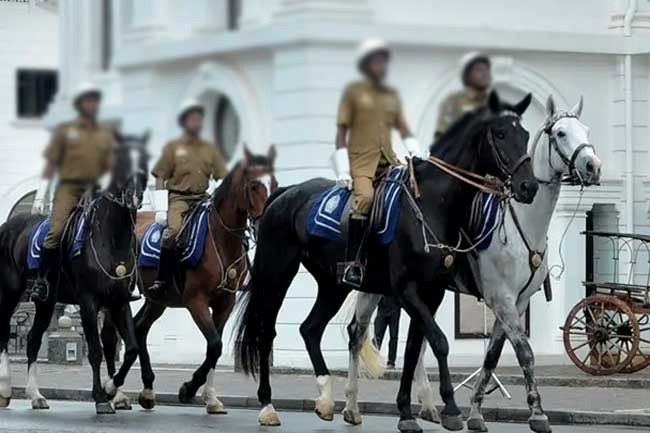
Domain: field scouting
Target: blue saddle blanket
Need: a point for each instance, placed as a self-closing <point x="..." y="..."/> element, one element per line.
<point x="38" y="236"/>
<point x="484" y="218"/>
<point x="191" y="254"/>
<point x="326" y="213"/>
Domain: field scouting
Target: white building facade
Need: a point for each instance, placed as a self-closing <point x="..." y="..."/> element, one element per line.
<point x="272" y="72"/>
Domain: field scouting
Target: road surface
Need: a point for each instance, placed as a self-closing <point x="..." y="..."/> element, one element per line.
<point x="76" y="417"/>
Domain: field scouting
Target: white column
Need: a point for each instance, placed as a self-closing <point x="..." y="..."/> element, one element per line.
<point x="147" y="19"/>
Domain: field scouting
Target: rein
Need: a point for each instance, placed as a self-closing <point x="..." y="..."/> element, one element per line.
<point x="487" y="183"/>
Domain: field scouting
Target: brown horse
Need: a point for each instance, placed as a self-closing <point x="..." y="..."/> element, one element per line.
<point x="212" y="284"/>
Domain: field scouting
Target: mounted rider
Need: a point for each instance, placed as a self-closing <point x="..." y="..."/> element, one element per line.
<point x="476" y="76"/>
<point x="80" y="153"/>
<point x="184" y="170"/>
<point x="368" y="112"/>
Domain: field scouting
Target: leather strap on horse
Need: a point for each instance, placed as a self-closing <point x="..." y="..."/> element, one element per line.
<point x="488" y="184"/>
<point x="413" y="182"/>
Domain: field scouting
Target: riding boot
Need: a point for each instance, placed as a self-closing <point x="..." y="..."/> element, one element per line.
<point x="165" y="272"/>
<point x="354" y="269"/>
<point x="41" y="287"/>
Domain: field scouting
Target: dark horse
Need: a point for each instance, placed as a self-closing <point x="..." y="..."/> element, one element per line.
<point x="212" y="284"/>
<point x="100" y="276"/>
<point x="489" y="141"/>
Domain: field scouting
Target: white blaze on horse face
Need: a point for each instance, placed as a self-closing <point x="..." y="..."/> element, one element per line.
<point x="5" y="375"/>
<point x="267" y="181"/>
<point x="569" y="133"/>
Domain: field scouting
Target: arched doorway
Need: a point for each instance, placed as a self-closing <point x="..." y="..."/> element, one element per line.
<point x="23" y="205"/>
<point x="222" y="125"/>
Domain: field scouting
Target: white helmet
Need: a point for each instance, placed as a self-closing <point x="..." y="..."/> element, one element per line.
<point x="188" y="105"/>
<point x="85" y="88"/>
<point x="470" y="59"/>
<point x="371" y="46"/>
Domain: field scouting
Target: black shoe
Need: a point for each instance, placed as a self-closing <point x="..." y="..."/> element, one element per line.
<point x="354" y="269"/>
<point x="41" y="287"/>
<point x="165" y="273"/>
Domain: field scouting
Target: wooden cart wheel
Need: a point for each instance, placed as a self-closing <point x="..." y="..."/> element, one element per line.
<point x="601" y="335"/>
<point x="642" y="358"/>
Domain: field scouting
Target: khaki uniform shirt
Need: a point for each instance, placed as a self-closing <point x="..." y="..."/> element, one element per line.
<point x="187" y="164"/>
<point x="370" y="113"/>
<point x="80" y="152"/>
<point x="455" y="106"/>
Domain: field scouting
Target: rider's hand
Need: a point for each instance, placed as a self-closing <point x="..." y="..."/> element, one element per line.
<point x="341" y="166"/>
<point x="413" y="147"/>
<point x="161" y="218"/>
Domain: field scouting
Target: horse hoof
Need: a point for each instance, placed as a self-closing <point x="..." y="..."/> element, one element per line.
<point x="216" y="408"/>
<point x="351" y="417"/>
<point x="452" y="422"/>
<point x="409" y="426"/>
<point x="324" y="409"/>
<point x="104" y="408"/>
<point x="40" y="404"/>
<point x="268" y="417"/>
<point x="185" y="394"/>
<point x="122" y="405"/>
<point x="147" y="399"/>
<point x="4" y="401"/>
<point x="539" y="424"/>
<point x="430" y="414"/>
<point x="476" y="424"/>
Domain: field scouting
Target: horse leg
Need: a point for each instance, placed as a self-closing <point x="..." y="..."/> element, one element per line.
<point x="220" y="313"/>
<point x="89" y="323"/>
<point x="407" y="422"/>
<point x="199" y="308"/>
<point x="8" y="302"/>
<point x="423" y="390"/>
<point x="422" y="310"/>
<point x="475" y="421"/>
<point x="42" y="321"/>
<point x="357" y="333"/>
<point x="509" y="317"/>
<point x="328" y="302"/>
<point x="110" y="341"/>
<point x="123" y="321"/>
<point x="144" y="319"/>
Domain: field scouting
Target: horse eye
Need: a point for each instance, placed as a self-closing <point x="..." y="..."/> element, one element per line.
<point x="500" y="135"/>
<point x="561" y="134"/>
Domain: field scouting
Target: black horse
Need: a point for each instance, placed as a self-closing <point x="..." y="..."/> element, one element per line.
<point x="491" y="140"/>
<point x="102" y="275"/>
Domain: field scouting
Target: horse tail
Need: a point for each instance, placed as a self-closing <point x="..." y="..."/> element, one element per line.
<point x="271" y="275"/>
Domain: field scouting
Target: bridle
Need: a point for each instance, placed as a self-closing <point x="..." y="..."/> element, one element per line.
<point x="573" y="177"/>
<point x="503" y="166"/>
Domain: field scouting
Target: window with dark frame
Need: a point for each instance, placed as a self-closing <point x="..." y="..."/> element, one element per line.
<point x="226" y="127"/>
<point x="473" y="319"/>
<point x="107" y="35"/>
<point x="35" y="88"/>
<point x="234" y="14"/>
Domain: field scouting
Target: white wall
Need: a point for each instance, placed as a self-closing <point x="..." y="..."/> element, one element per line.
<point x="29" y="40"/>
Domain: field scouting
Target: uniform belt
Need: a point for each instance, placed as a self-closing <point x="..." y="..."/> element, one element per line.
<point x="75" y="182"/>
<point x="187" y="193"/>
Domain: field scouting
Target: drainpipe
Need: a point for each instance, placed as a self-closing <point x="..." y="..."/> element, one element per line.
<point x="629" y="145"/>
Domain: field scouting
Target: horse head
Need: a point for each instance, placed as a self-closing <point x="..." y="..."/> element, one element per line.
<point x="571" y="156"/>
<point x="130" y="169"/>
<point x="507" y="142"/>
<point x="259" y="178"/>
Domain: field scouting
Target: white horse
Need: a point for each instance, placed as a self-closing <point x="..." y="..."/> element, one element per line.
<point x="512" y="268"/>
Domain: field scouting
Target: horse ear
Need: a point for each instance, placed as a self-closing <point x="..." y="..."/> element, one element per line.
<point x="272" y="154"/>
<point x="522" y="106"/>
<point x="494" y="102"/>
<point x="577" y="110"/>
<point x="145" y="137"/>
<point x="551" y="109"/>
<point x="248" y="156"/>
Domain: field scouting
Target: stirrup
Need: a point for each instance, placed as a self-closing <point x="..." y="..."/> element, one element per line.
<point x="40" y="291"/>
<point x="352" y="266"/>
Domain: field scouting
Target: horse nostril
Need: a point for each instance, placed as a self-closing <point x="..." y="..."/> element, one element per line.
<point x="529" y="187"/>
<point x="590" y="167"/>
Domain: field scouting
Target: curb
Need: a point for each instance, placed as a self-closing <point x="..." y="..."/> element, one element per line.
<point x="491" y="414"/>
<point x="506" y="379"/>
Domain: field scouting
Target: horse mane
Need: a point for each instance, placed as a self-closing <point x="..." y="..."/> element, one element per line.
<point x="460" y="136"/>
<point x="223" y="190"/>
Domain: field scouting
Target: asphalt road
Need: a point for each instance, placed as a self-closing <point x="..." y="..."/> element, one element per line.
<point x="75" y="417"/>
